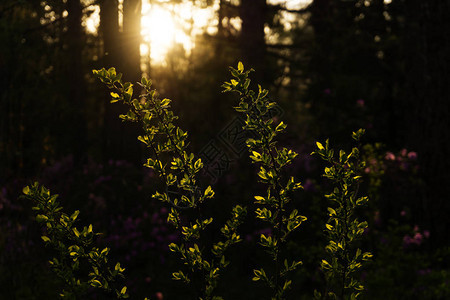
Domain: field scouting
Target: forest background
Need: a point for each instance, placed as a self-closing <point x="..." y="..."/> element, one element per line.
<point x="333" y="66"/>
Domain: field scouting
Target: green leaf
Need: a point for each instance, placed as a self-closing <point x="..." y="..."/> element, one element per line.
<point x="123" y="290"/>
<point x="26" y="190"/>
<point x="240" y="67"/>
<point x="325" y="265"/>
<point x="331" y="211"/>
<point x="367" y="256"/>
<point x="209" y="193"/>
<point x="74" y="215"/>
<point x="246" y="84"/>
<point x="76" y="232"/>
<point x="260" y="199"/>
<point x="198" y="164"/>
<point x="262" y="173"/>
<point x="112" y="71"/>
<point x="362" y="201"/>
<point x="256" y="155"/>
<point x="358" y="134"/>
<point x="143" y="139"/>
<point x="41" y="218"/>
<point x="165" y="103"/>
<point x="280" y="127"/>
<point x="96" y="283"/>
<point x="287" y="285"/>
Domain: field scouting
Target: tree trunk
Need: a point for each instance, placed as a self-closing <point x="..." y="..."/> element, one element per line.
<point x="321" y="21"/>
<point x="122" y="51"/>
<point x="76" y="83"/>
<point x="252" y="39"/>
<point x="132" y="39"/>
<point x="109" y="31"/>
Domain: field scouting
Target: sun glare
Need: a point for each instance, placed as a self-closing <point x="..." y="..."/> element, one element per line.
<point x="164" y="25"/>
<point x="160" y="31"/>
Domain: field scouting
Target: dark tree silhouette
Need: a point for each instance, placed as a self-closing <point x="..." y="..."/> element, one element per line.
<point x="252" y="39"/>
<point x="427" y="106"/>
<point x="76" y="91"/>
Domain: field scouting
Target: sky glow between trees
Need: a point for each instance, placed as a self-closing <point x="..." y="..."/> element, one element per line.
<point x="164" y="25"/>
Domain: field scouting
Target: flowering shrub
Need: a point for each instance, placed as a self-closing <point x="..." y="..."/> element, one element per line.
<point x="417" y="238"/>
<point x="406" y="265"/>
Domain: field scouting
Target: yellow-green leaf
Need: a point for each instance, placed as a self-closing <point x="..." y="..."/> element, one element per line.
<point x="123" y="290"/>
<point x="240" y="67"/>
<point x="26" y="190"/>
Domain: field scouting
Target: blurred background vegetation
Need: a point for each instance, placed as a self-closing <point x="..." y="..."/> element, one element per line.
<point x="333" y="66"/>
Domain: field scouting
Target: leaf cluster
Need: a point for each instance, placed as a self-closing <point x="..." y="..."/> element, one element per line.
<point x="343" y="228"/>
<point x="179" y="171"/>
<point x="74" y="248"/>
<point x="255" y="106"/>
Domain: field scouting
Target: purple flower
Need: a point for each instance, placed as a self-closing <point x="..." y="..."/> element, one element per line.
<point x="389" y="156"/>
<point x="418" y="238"/>
<point x="407" y="240"/>
<point x="327" y="91"/>
<point x="412" y="155"/>
<point x="360" y="102"/>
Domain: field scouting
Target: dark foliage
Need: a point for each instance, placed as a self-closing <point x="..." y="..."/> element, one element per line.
<point x="333" y="66"/>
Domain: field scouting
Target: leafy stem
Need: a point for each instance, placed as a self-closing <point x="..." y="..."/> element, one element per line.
<point x="343" y="229"/>
<point x="179" y="173"/>
<point x="73" y="246"/>
<point x="256" y="108"/>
